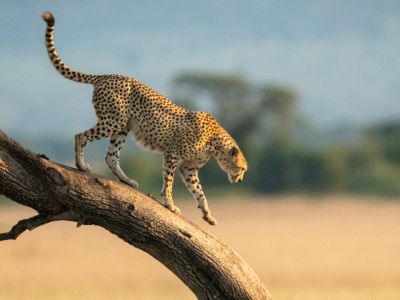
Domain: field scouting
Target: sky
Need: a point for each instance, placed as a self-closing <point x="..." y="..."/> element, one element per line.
<point x="342" y="57"/>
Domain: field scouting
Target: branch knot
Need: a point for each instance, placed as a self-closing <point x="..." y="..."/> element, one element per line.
<point x="55" y="176"/>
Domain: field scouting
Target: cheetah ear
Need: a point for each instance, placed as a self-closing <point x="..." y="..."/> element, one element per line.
<point x="234" y="151"/>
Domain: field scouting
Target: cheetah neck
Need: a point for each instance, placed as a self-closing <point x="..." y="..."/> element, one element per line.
<point x="221" y="143"/>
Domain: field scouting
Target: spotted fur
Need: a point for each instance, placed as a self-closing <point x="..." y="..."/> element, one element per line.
<point x="123" y="104"/>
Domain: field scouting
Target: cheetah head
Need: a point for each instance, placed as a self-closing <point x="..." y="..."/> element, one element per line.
<point x="234" y="164"/>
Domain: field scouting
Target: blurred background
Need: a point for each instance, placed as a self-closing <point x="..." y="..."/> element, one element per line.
<point x="309" y="89"/>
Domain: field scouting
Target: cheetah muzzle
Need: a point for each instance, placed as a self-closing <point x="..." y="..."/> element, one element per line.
<point x="123" y="105"/>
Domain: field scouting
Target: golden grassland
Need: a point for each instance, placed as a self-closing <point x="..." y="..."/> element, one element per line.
<point x="301" y="248"/>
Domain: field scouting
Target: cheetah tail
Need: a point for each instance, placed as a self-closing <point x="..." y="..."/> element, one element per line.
<point x="56" y="61"/>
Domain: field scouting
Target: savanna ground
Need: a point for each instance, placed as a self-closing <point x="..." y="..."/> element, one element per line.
<point x="301" y="248"/>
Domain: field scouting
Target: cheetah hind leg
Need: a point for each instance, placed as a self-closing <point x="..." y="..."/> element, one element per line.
<point x="117" y="141"/>
<point x="83" y="139"/>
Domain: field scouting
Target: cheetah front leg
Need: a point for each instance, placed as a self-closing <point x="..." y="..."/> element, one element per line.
<point x="80" y="144"/>
<point x="189" y="173"/>
<point x="169" y="167"/>
<point x="117" y="141"/>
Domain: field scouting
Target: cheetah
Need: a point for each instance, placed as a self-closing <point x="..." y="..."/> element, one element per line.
<point x="123" y="105"/>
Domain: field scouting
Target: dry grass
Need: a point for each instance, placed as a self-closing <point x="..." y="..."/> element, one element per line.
<point x="321" y="249"/>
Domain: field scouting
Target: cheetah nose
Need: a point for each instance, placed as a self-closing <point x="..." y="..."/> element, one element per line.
<point x="240" y="179"/>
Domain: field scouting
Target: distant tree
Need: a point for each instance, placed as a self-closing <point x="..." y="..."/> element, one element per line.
<point x="281" y="104"/>
<point x="244" y="109"/>
<point x="388" y="137"/>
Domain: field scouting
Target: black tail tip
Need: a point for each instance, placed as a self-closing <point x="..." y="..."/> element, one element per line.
<point x="48" y="18"/>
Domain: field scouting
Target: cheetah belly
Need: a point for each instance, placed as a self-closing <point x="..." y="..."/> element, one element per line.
<point x="142" y="135"/>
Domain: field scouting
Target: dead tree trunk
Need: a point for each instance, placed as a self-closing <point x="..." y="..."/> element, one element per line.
<point x="205" y="264"/>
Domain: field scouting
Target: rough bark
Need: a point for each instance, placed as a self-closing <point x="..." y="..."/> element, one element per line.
<point x="205" y="264"/>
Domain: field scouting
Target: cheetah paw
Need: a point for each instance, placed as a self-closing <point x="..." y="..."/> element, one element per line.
<point x="84" y="167"/>
<point x="175" y="210"/>
<point x="210" y="220"/>
<point x="131" y="183"/>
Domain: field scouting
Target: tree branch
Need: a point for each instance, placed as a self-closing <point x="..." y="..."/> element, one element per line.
<point x="205" y="264"/>
<point x="36" y="221"/>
